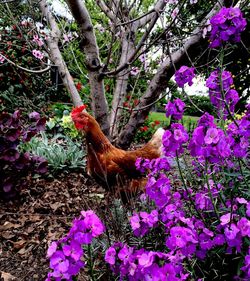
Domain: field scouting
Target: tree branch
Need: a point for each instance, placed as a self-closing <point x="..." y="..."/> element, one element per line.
<point x="102" y="5"/>
<point x="90" y="48"/>
<point x="160" y="80"/>
<point x="56" y="55"/>
<point x="26" y="69"/>
<point x="159" y="9"/>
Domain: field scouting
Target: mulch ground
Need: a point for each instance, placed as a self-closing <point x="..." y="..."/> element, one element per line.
<point x="43" y="212"/>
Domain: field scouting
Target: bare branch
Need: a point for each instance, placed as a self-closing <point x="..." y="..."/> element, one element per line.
<point x="93" y="64"/>
<point x="56" y="55"/>
<point x="26" y="69"/>
<point x="138" y="18"/>
<point x="159" y="9"/>
<point x="105" y="9"/>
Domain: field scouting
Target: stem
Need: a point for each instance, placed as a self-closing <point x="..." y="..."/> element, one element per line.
<point x="91" y="264"/>
<point x="241" y="171"/>
<point x="221" y="198"/>
<point x="223" y="94"/>
<point x="186" y="189"/>
<point x="209" y="189"/>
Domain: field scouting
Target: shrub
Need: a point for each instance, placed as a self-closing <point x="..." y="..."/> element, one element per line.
<point x="145" y="132"/>
<point x="63" y="125"/>
<point x="60" y="152"/>
<point x="15" y="165"/>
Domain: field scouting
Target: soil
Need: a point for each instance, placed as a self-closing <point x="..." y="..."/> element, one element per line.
<point x="42" y="213"/>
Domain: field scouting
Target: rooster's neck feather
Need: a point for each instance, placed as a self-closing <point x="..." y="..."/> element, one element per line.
<point x="97" y="140"/>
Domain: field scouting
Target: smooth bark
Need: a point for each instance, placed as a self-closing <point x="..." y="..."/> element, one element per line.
<point x="90" y="48"/>
<point x="56" y="55"/>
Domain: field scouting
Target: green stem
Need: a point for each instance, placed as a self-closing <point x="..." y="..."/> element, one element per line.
<point x="241" y="171"/>
<point x="223" y="94"/>
<point x="186" y="189"/>
<point x="91" y="264"/>
<point x="210" y="192"/>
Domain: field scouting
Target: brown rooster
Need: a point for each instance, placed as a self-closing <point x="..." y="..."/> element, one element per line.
<point x="109" y="164"/>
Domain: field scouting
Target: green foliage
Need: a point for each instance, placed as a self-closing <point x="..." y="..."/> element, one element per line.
<point x="63" y="125"/>
<point x="188" y="122"/>
<point x="146" y="131"/>
<point x="202" y="102"/>
<point x="60" y="152"/>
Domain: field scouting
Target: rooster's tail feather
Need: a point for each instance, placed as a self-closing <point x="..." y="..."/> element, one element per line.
<point x="156" y="139"/>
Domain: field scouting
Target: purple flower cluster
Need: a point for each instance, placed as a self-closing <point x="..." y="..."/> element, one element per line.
<point x="222" y="96"/>
<point x="174" y="139"/>
<point x="188" y="231"/>
<point x="175" y="109"/>
<point x="141" y="223"/>
<point x="142" y="265"/>
<point x="66" y="255"/>
<point x="212" y="143"/>
<point x="154" y="166"/>
<point x="227" y="26"/>
<point x="240" y="136"/>
<point x="184" y="75"/>
<point x="15" y="164"/>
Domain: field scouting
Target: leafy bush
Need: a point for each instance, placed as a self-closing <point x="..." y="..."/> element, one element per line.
<point x="60" y="152"/>
<point x="146" y="131"/>
<point x="15" y="165"/>
<point x="63" y="125"/>
<point x="201" y="102"/>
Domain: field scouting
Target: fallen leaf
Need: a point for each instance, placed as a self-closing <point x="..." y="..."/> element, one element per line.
<point x="19" y="244"/>
<point x="7" y="277"/>
<point x="56" y="205"/>
<point x="7" y="225"/>
<point x="7" y="235"/>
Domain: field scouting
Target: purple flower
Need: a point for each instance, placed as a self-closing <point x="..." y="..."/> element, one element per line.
<point x="110" y="255"/>
<point x="227" y="25"/>
<point x="231" y="231"/>
<point x="125" y="253"/>
<point x="66" y="254"/>
<point x="206" y="120"/>
<point x="92" y="223"/>
<point x="146" y="259"/>
<point x="59" y="262"/>
<point x="179" y="237"/>
<point x="34" y="116"/>
<point x="225" y="219"/>
<point x="175" y="109"/>
<point x="142" y="164"/>
<point x="52" y="249"/>
<point x="212" y="136"/>
<point x="184" y="75"/>
<point x="174" y="139"/>
<point x="73" y="250"/>
<point x="244" y="226"/>
<point x="220" y="82"/>
<point x="75" y="266"/>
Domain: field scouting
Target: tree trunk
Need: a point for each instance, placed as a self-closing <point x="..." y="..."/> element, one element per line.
<point x="121" y="84"/>
<point x="90" y="48"/>
<point x="56" y="56"/>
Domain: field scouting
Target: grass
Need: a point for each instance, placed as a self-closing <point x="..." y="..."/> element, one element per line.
<point x="188" y="121"/>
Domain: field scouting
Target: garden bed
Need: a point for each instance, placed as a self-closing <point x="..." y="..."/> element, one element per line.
<point x="43" y="213"/>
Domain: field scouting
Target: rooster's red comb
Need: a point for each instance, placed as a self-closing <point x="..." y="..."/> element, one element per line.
<point x="78" y="109"/>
